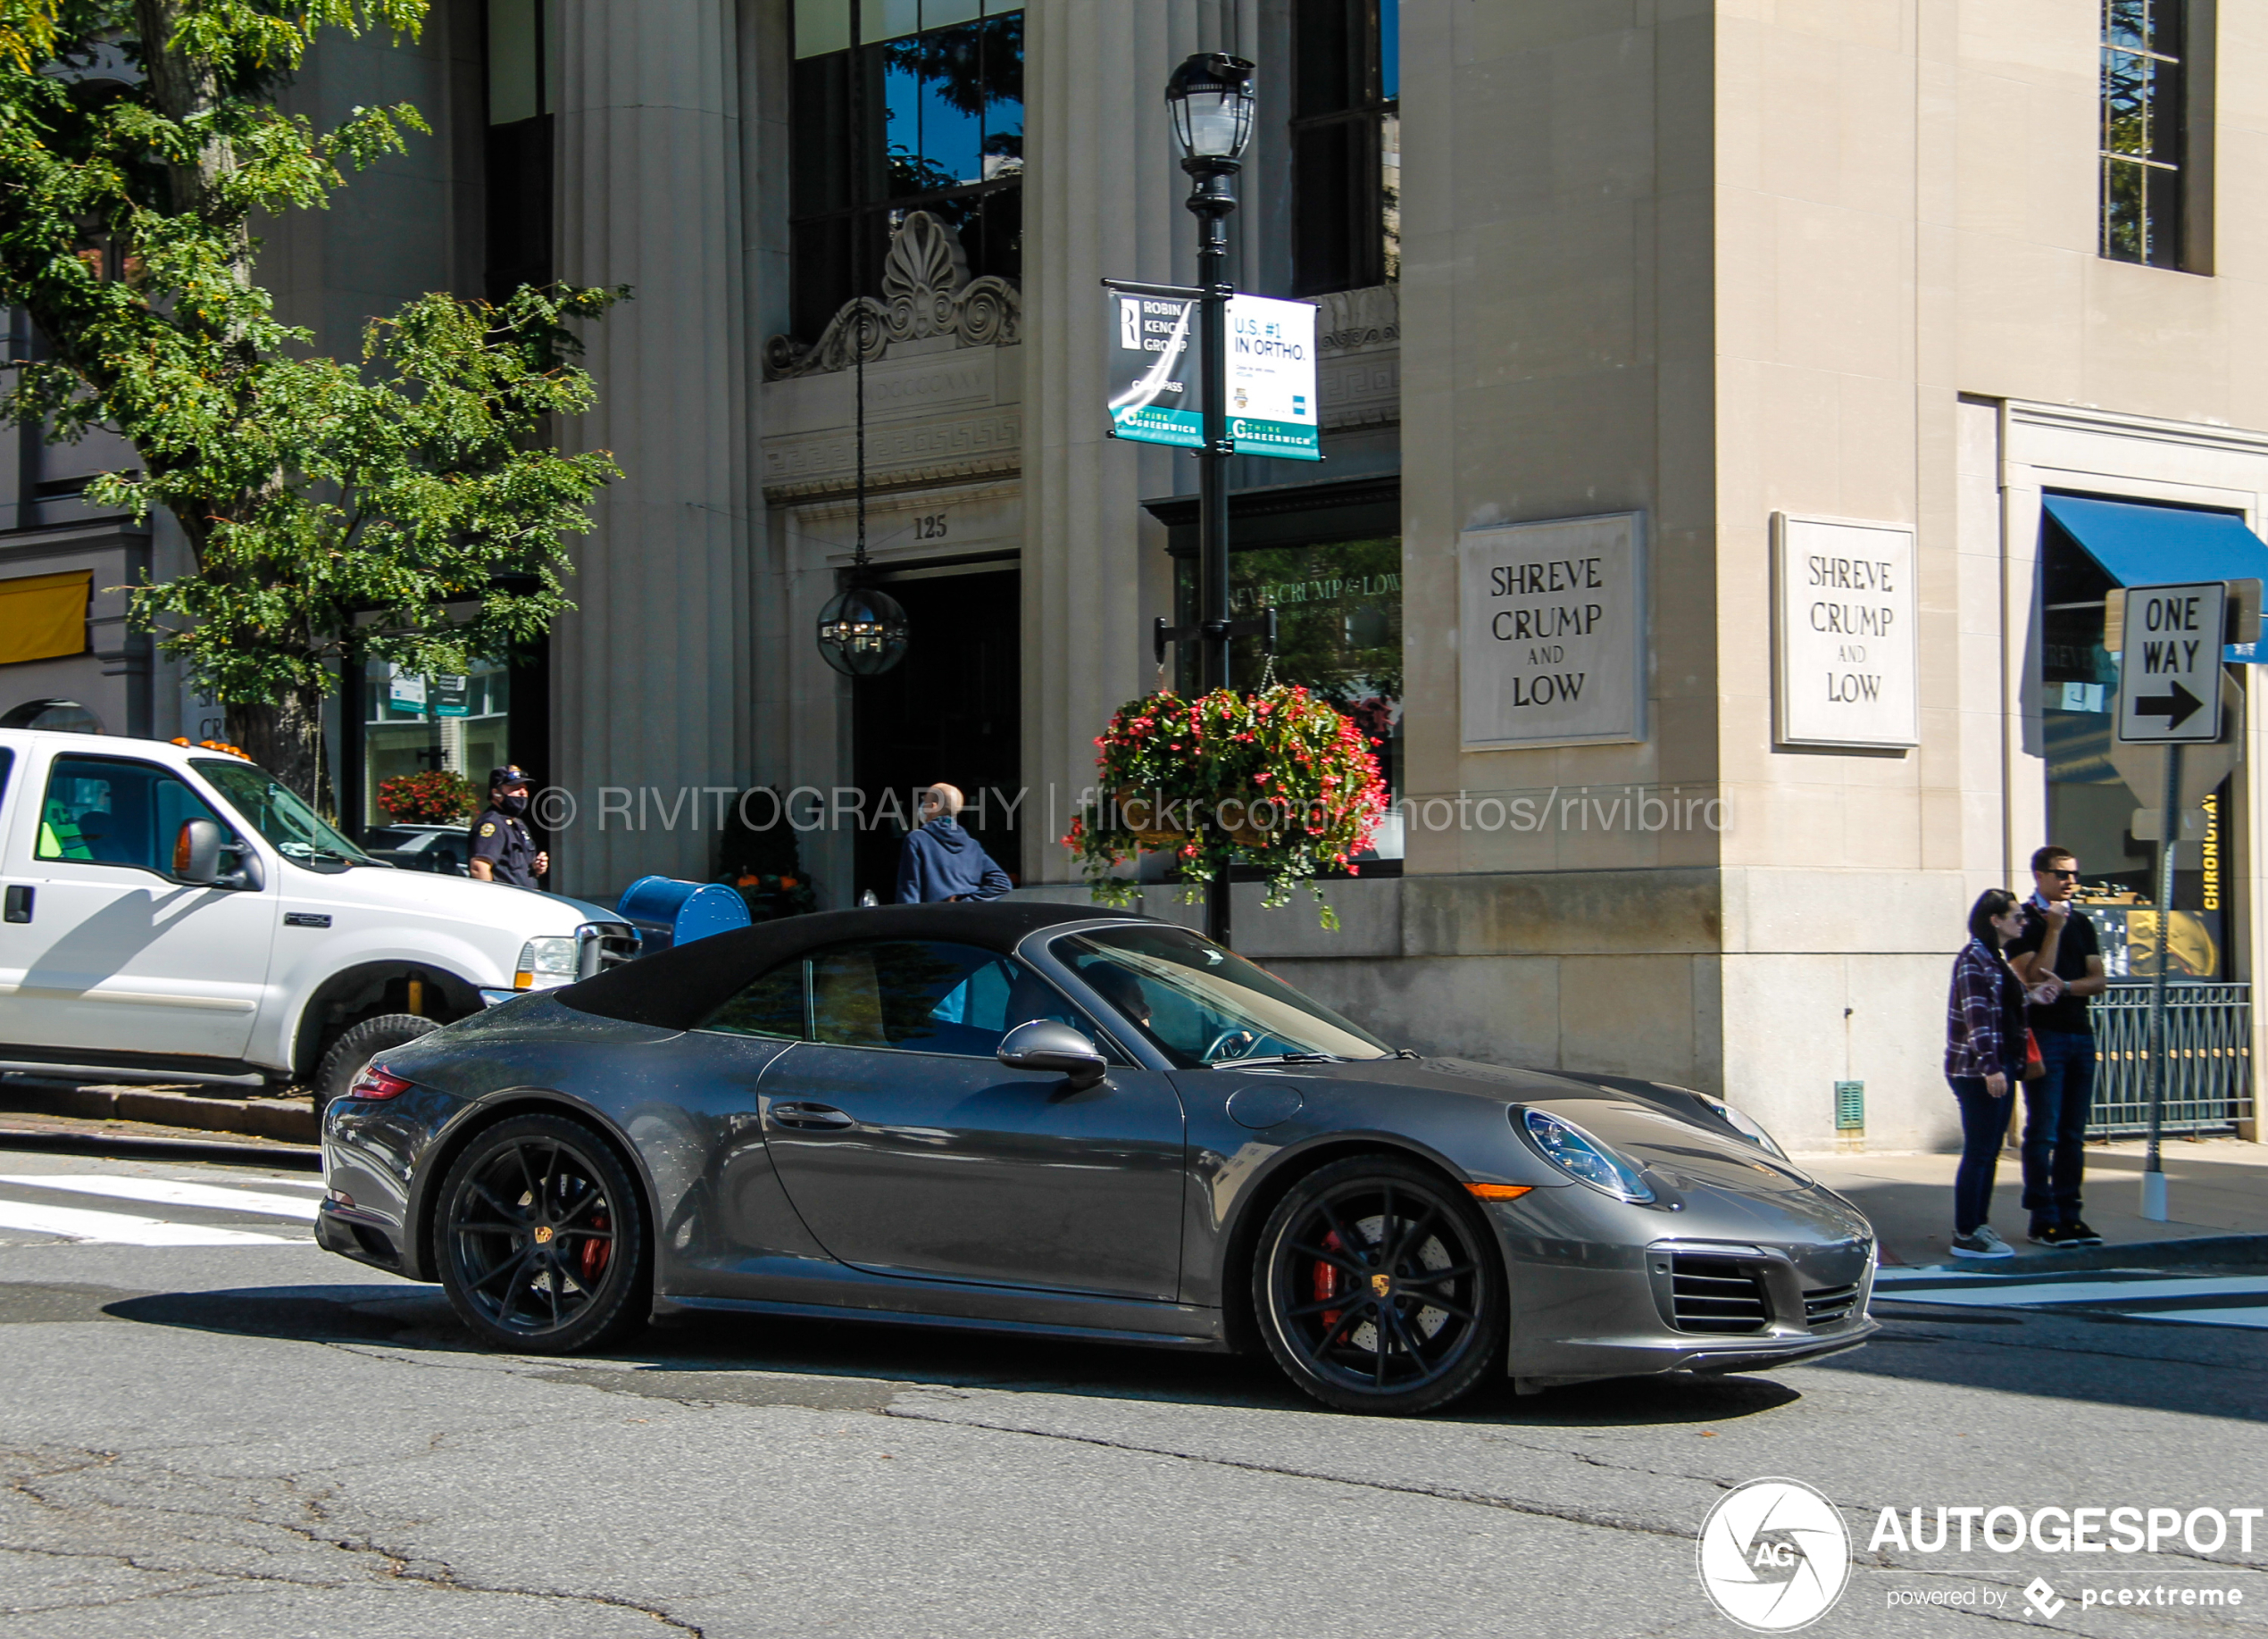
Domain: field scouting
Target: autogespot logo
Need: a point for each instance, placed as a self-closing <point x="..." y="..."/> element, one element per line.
<point x="1774" y="1555"/>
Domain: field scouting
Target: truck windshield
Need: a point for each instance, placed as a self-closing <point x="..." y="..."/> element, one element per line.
<point x="270" y="808"/>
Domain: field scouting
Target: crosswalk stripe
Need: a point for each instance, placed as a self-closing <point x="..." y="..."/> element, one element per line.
<point x="2256" y="1318"/>
<point x="2030" y="1295"/>
<point x="125" y="1229"/>
<point x="169" y="1192"/>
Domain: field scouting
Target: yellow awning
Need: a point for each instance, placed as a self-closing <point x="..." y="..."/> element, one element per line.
<point x="44" y="617"/>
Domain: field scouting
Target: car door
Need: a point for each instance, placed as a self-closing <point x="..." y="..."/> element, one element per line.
<point x="111" y="954"/>
<point x="907" y="1147"/>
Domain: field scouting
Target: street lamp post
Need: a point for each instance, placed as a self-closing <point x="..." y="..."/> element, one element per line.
<point x="1210" y="97"/>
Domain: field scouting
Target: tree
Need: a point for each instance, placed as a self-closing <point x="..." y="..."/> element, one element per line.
<point x="394" y="507"/>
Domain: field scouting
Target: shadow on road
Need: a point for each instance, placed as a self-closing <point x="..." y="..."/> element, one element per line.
<point x="834" y="1366"/>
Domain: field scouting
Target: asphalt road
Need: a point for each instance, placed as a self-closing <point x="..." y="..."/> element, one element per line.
<point x="252" y="1437"/>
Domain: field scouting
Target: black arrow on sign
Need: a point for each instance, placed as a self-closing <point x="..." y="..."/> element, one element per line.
<point x="2177" y="708"/>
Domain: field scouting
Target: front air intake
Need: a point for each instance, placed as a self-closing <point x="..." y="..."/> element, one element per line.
<point x="1722" y="1296"/>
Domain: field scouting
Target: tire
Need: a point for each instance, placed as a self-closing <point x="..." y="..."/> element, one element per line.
<point x="1378" y="1288"/>
<point x="540" y="1238"/>
<point x="357" y="1045"/>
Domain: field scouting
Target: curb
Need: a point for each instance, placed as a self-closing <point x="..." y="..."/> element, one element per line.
<point x="2200" y="1252"/>
<point x="286" y="1120"/>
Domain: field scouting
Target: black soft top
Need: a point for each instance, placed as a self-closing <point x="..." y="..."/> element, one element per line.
<point x="678" y="988"/>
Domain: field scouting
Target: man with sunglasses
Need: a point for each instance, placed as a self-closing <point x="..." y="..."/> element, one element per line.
<point x="2057" y="947"/>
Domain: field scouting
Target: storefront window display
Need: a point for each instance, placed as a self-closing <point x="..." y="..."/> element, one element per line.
<point x="1338" y="609"/>
<point x="2089" y="806"/>
<point x="412" y="724"/>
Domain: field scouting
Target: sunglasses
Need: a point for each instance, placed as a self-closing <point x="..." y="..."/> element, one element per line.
<point x="2068" y="875"/>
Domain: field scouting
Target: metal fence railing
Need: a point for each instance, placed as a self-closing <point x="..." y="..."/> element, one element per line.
<point x="2208" y="1033"/>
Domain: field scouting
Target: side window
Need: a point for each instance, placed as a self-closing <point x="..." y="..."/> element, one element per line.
<point x="926" y="996"/>
<point x="101" y="811"/>
<point x="774" y="1005"/>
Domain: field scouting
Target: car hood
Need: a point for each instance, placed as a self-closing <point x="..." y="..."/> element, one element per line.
<point x="1645" y="1121"/>
<point x="457" y="899"/>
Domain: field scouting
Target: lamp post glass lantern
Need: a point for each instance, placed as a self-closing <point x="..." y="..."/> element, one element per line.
<point x="861" y="632"/>
<point x="1211" y="98"/>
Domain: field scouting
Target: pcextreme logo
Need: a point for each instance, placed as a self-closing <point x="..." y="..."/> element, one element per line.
<point x="1774" y="1555"/>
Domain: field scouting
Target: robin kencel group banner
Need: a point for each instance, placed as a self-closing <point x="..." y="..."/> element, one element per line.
<point x="1268" y="375"/>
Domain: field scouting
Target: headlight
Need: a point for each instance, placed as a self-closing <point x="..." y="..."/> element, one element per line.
<point x="1745" y="1124"/>
<point x="545" y="962"/>
<point x="1575" y="1152"/>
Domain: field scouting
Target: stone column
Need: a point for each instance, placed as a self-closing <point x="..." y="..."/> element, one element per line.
<point x="1103" y="192"/>
<point x="651" y="673"/>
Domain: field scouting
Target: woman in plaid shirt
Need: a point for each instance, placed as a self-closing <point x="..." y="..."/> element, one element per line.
<point x="1984" y="1054"/>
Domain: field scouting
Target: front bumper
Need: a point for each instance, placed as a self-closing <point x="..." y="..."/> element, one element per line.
<point x="1604" y="1289"/>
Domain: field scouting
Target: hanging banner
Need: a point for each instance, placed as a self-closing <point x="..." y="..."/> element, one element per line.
<point x="1272" y="379"/>
<point x="1269" y="374"/>
<point x="1153" y="366"/>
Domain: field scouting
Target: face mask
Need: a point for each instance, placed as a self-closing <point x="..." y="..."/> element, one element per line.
<point x="515" y="804"/>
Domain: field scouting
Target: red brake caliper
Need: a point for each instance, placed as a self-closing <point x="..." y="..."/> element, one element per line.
<point x="1327" y="1280"/>
<point x="592" y="1259"/>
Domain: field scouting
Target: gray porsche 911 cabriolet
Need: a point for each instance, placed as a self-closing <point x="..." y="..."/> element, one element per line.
<point x="1048" y="1118"/>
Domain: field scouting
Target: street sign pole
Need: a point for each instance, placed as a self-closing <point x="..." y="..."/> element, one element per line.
<point x="2153" y="1207"/>
<point x="2170" y="695"/>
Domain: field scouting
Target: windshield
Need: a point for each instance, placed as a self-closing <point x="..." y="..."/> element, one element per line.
<point x="1199" y="1005"/>
<point x="293" y="828"/>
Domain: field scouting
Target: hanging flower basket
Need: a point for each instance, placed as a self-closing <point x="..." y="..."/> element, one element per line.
<point x="1279" y="780"/>
<point x="435" y="797"/>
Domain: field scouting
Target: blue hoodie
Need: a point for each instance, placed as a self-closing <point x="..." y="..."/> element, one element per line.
<point x="943" y="862"/>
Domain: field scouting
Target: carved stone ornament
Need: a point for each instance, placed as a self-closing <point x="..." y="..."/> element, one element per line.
<point x="925" y="291"/>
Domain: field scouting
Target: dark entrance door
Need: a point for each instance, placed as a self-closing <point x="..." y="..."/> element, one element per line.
<point x="950" y="711"/>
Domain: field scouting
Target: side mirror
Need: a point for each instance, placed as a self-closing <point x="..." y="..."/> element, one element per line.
<point x="1043" y="1044"/>
<point x="197" y="853"/>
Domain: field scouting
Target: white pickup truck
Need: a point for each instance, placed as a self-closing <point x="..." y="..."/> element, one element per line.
<point x="171" y="910"/>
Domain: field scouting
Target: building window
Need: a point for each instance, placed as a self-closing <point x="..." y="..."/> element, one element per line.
<point x="902" y="105"/>
<point x="519" y="145"/>
<point x="2144" y="122"/>
<point x="1346" y="144"/>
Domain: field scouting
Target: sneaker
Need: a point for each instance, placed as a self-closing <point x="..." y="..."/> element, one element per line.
<point x="2077" y="1234"/>
<point x="1983" y="1244"/>
<point x="2042" y="1232"/>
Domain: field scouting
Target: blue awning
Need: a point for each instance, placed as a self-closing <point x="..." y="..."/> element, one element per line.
<point x="2164" y="545"/>
<point x="2161" y="546"/>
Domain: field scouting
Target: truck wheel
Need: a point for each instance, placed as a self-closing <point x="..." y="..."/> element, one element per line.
<point x="358" y="1045"/>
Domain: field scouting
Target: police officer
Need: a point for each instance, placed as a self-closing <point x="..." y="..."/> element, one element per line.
<point x="503" y="850"/>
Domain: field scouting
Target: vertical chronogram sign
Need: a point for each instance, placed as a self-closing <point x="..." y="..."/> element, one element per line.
<point x="1845" y="630"/>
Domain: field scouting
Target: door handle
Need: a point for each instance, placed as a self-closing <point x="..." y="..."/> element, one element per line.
<point x="20" y="900"/>
<point x="818" y="1117"/>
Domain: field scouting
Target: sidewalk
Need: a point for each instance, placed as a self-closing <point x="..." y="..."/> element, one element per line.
<point x="2216" y="1187"/>
<point x="182" y="1108"/>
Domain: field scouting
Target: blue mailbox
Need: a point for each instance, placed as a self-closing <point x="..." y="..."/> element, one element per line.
<point x="667" y="912"/>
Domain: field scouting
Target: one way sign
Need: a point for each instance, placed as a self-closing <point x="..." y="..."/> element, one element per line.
<point x="2168" y="688"/>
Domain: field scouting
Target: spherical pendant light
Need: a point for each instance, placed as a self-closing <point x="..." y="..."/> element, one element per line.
<point x="862" y="632"/>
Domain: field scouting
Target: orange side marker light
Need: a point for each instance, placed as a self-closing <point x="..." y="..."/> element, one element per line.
<point x="1499" y="1191"/>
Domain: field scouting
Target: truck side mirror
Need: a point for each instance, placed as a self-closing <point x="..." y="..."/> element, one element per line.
<point x="197" y="853"/>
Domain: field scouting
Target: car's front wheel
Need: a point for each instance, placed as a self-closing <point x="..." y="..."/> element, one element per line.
<point x="542" y="1238"/>
<point x="1379" y="1287"/>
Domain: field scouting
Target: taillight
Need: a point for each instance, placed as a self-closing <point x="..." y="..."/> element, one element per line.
<point x="375" y="1083"/>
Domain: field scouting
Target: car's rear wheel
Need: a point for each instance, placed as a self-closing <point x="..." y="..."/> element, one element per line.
<point x="542" y="1238"/>
<point x="1379" y="1287"/>
<point x="357" y="1045"/>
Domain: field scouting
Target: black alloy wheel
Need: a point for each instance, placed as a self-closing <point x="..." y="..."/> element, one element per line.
<point x="542" y="1238"/>
<point x="1379" y="1288"/>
